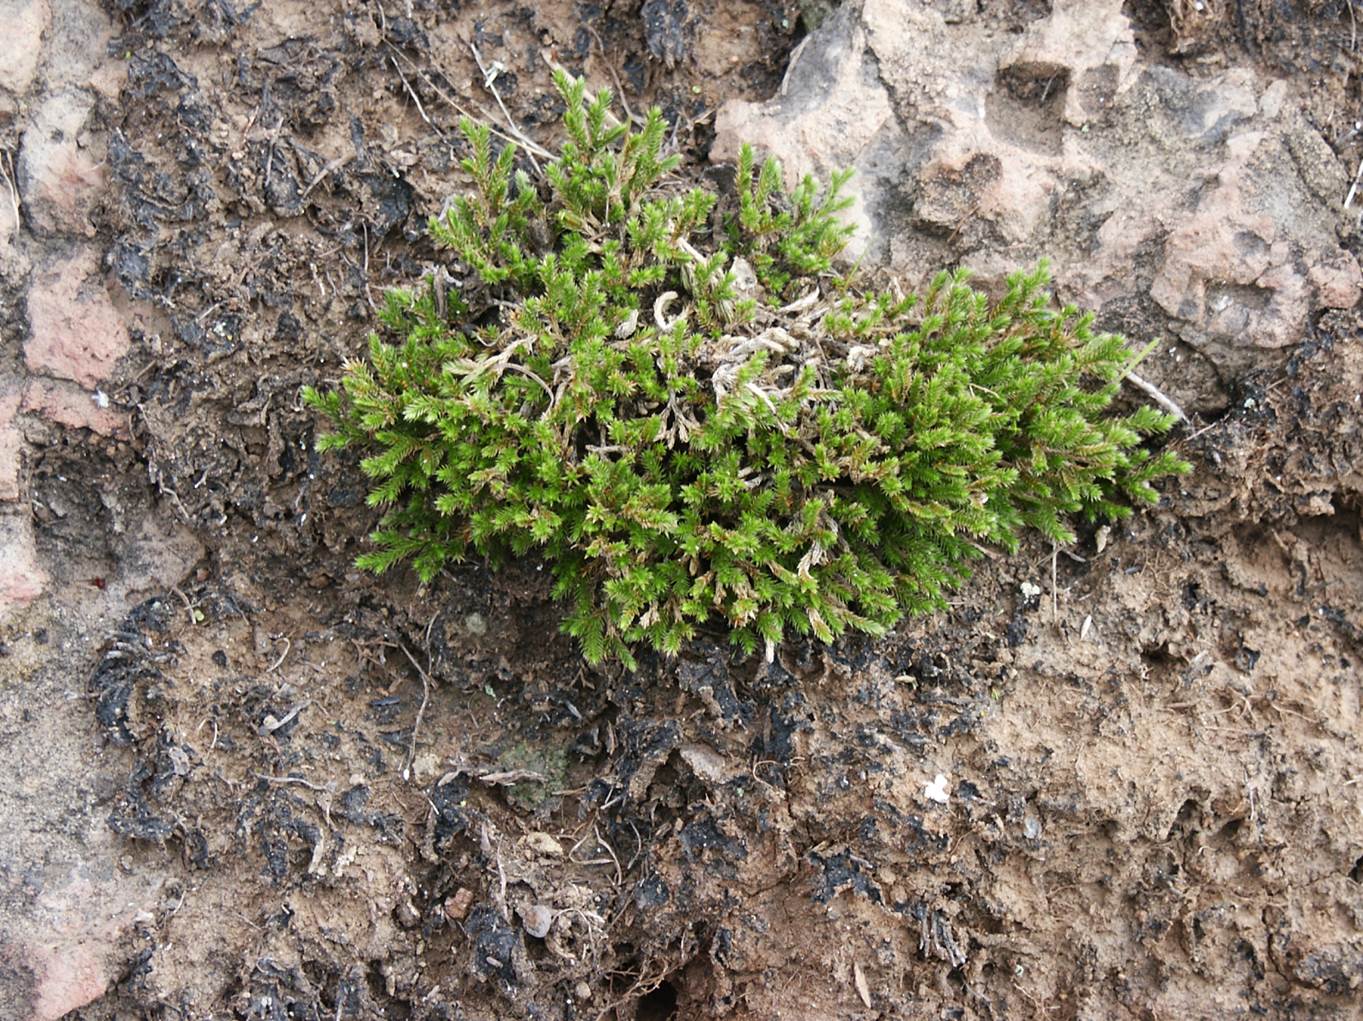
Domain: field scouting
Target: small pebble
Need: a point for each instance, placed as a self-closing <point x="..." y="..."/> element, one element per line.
<point x="538" y="919"/>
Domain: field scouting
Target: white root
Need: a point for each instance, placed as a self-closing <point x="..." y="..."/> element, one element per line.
<point x="1158" y="396"/>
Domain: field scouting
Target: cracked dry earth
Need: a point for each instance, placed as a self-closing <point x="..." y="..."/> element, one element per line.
<point x="242" y="780"/>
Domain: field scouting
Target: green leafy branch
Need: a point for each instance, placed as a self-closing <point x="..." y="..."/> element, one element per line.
<point x="668" y="396"/>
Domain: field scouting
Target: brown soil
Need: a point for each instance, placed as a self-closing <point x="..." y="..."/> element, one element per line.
<point x="371" y="799"/>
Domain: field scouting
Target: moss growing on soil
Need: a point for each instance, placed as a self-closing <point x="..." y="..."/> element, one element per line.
<point x="670" y="397"/>
<point x="545" y="770"/>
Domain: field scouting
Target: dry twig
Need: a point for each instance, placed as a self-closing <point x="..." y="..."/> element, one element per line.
<point x="619" y="88"/>
<point x="416" y="726"/>
<point x="1158" y="396"/>
<point x="482" y="115"/>
<point x="292" y="779"/>
<point x="415" y="98"/>
<point x="490" y="83"/>
<point x="10" y="181"/>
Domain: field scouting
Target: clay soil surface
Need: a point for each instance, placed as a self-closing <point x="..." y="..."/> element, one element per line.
<point x="345" y="797"/>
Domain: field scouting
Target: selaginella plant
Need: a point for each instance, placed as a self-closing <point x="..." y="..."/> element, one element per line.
<point x="675" y="404"/>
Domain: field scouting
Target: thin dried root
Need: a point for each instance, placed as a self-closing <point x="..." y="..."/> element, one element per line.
<point x="1158" y="396"/>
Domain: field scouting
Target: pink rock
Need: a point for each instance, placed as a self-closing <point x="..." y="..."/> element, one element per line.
<point x="69" y="405"/>
<point x="1337" y="281"/>
<point x="10" y="444"/>
<point x="67" y="978"/>
<point x="66" y="938"/>
<point x="1238" y="283"/>
<point x="1076" y="40"/>
<point x="59" y="178"/>
<point x="76" y="49"/>
<point x="76" y="333"/>
<point x="24" y="22"/>
<point x="67" y="953"/>
<point x="9" y="228"/>
<point x="1207" y="200"/>
<point x="853" y="114"/>
<point x="22" y="580"/>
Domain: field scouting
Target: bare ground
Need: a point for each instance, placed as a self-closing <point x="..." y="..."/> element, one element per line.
<point x="335" y="796"/>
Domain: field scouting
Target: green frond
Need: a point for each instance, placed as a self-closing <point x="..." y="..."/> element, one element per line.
<point x="615" y="391"/>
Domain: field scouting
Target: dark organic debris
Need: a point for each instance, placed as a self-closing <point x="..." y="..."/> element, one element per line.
<point x="935" y="938"/>
<point x="843" y="871"/>
<point x="703" y="834"/>
<point x="647" y="746"/>
<point x="496" y="945"/>
<point x="131" y="658"/>
<point x="451" y="820"/>
<point x="650" y="893"/>
<point x="667" y="30"/>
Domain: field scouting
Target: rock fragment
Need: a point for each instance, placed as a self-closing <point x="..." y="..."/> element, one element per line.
<point x="1201" y="207"/>
<point x="75" y="331"/>
<point x="11" y="443"/>
<point x="25" y="22"/>
<point x="22" y="578"/>
<point x="68" y="405"/>
<point x="61" y="171"/>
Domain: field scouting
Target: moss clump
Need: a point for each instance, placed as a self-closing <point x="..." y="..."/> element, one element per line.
<point x="675" y="404"/>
